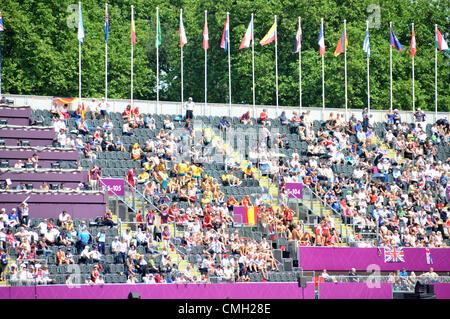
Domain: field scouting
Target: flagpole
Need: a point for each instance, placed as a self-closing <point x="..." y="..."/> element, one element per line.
<point x="323" y="75"/>
<point x="229" y="65"/>
<point x="368" y="74"/>
<point x="435" y="77"/>
<point x="300" y="67"/>
<point x="182" y="80"/>
<point x="157" y="59"/>
<point x="132" y="57"/>
<point x="79" y="63"/>
<point x="206" y="71"/>
<point x="106" y="60"/>
<point x="253" y="67"/>
<point x="413" y="95"/>
<point x="276" y="61"/>
<point x="345" y="68"/>
<point x="390" y="66"/>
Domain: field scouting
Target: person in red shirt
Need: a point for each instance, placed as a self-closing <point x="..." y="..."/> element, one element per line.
<point x="246" y="201"/>
<point x="207" y="220"/>
<point x="140" y="218"/>
<point x="325" y="232"/>
<point x="131" y="177"/>
<point x="263" y="118"/>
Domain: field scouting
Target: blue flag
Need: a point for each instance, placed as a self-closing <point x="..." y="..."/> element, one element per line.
<point x="80" y="26"/>
<point x="366" y="46"/>
<point x="394" y="41"/>
<point x="106" y="26"/>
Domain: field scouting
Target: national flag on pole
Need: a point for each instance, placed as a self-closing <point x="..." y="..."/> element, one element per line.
<point x="2" y="28"/>
<point x="106" y="26"/>
<point x="225" y="36"/>
<point x="428" y="255"/>
<point x="340" y="48"/>
<point x="366" y="45"/>
<point x="413" y="44"/>
<point x="205" y="36"/>
<point x="80" y="26"/>
<point x="133" y="31"/>
<point x="441" y="44"/>
<point x="394" y="41"/>
<point x="248" y="36"/>
<point x="183" y="39"/>
<point x="394" y="255"/>
<point x="158" y="31"/>
<point x="270" y="36"/>
<point x="83" y="112"/>
<point x="298" y="39"/>
<point x="321" y="42"/>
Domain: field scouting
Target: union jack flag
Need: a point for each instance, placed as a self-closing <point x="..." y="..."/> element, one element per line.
<point x="394" y="255"/>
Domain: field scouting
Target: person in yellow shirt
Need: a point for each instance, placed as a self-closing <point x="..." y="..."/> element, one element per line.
<point x="196" y="172"/>
<point x="143" y="177"/>
<point x="182" y="169"/>
<point x="207" y="197"/>
<point x="249" y="171"/>
<point x="231" y="180"/>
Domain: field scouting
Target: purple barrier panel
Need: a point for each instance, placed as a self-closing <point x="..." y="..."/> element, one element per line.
<point x="114" y="186"/>
<point x="448" y="192"/>
<point x="39" y="142"/>
<point x="27" y="133"/>
<point x="74" y="210"/>
<point x="442" y="290"/>
<point x="354" y="290"/>
<point x="345" y="258"/>
<point x="52" y="176"/>
<point x="166" y="291"/>
<point x="43" y="163"/>
<point x="239" y="214"/>
<point x="295" y="190"/>
<point x="17" y="293"/>
<point x="17" y="120"/>
<point x="7" y="112"/>
<point x="23" y="154"/>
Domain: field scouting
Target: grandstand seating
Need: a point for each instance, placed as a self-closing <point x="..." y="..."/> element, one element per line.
<point x="117" y="164"/>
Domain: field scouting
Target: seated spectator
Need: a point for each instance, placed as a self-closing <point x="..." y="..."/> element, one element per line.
<point x="168" y="124"/>
<point x="150" y="122"/>
<point x="136" y="152"/>
<point x="225" y="125"/>
<point x="245" y="118"/>
<point x="283" y="118"/>
<point x="126" y="129"/>
<point x="249" y="171"/>
<point x="228" y="179"/>
<point x="264" y="118"/>
<point x="108" y="127"/>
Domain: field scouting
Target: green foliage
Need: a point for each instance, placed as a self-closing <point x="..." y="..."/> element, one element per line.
<point x="40" y="50"/>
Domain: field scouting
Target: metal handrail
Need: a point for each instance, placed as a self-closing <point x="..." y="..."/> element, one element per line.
<point x="134" y="189"/>
<point x="117" y="197"/>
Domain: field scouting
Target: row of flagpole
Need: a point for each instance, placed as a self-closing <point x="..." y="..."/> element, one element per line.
<point x="249" y="37"/>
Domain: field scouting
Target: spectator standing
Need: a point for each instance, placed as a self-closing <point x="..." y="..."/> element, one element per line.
<point x="189" y="107"/>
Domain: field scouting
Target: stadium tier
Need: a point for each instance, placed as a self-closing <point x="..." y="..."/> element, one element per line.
<point x="225" y="200"/>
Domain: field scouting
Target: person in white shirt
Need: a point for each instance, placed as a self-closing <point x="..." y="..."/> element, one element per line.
<point x="85" y="255"/>
<point x="103" y="106"/>
<point x="95" y="255"/>
<point x="189" y="107"/>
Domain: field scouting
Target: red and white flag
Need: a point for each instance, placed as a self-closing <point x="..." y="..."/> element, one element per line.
<point x="183" y="39"/>
<point x="205" y="36"/>
<point x="413" y="44"/>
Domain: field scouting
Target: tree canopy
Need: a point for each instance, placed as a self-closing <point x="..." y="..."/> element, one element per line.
<point x="40" y="50"/>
